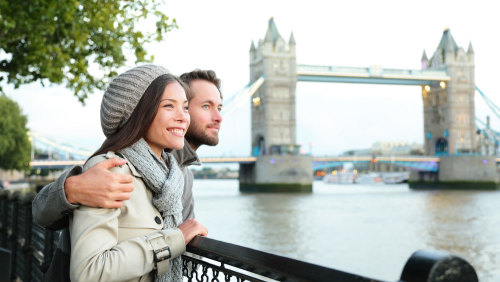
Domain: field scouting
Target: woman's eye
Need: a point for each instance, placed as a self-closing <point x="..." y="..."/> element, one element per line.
<point x="168" y="106"/>
<point x="186" y="108"/>
<point x="219" y="110"/>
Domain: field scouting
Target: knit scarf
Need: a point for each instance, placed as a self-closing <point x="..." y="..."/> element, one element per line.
<point x="165" y="180"/>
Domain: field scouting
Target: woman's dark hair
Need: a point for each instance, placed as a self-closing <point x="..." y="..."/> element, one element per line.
<point x="141" y="118"/>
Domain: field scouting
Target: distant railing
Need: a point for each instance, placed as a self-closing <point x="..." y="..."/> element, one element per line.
<point x="26" y="250"/>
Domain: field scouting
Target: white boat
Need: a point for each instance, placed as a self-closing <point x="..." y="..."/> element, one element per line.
<point x="345" y="176"/>
<point x="395" y="177"/>
<point x="348" y="177"/>
<point x="369" y="178"/>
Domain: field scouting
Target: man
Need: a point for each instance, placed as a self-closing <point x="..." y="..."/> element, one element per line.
<point x="99" y="187"/>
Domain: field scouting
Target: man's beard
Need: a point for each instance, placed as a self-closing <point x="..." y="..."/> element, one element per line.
<point x="197" y="136"/>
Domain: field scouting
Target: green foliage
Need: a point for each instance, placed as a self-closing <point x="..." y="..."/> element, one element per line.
<point x="57" y="41"/>
<point x="15" y="147"/>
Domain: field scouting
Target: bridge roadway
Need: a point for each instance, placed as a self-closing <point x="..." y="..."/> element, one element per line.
<point x="209" y="160"/>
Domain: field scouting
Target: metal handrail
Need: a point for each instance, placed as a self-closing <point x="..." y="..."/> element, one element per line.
<point x="229" y="260"/>
<point x="268" y="265"/>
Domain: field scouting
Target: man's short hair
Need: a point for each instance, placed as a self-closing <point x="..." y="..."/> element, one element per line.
<point x="208" y="75"/>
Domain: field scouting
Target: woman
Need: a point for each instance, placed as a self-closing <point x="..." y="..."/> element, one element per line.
<point x="144" y="116"/>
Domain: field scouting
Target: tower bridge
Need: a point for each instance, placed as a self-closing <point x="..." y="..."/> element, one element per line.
<point x="447" y="82"/>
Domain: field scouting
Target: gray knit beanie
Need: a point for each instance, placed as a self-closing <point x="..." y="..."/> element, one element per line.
<point x="123" y="95"/>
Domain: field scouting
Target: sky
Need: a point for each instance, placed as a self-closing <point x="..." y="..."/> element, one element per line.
<point x="331" y="118"/>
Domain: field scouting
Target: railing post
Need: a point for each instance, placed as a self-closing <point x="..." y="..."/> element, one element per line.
<point x="27" y="247"/>
<point x="48" y="250"/>
<point x="5" y="270"/>
<point x="12" y="230"/>
<point x="430" y="266"/>
<point x="4" y="202"/>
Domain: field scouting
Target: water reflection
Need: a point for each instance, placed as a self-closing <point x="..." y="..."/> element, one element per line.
<point x="458" y="222"/>
<point x="276" y="218"/>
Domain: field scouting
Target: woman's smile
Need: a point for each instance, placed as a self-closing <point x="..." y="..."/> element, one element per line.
<point x="177" y="131"/>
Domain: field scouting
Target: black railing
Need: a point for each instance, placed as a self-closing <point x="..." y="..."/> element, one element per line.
<point x="26" y="250"/>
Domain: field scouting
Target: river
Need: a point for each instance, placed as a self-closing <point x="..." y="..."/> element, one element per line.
<point x="369" y="230"/>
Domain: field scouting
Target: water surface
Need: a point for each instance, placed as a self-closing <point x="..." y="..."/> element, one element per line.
<point x="370" y="230"/>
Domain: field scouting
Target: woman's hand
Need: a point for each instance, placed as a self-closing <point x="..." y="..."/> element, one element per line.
<point x="191" y="228"/>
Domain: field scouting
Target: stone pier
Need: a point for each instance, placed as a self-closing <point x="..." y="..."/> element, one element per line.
<point x="277" y="173"/>
<point x="459" y="172"/>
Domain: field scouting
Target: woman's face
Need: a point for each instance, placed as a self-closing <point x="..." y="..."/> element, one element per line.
<point x="171" y="121"/>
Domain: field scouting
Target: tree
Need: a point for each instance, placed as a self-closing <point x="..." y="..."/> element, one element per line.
<point x="57" y="41"/>
<point x="15" y="146"/>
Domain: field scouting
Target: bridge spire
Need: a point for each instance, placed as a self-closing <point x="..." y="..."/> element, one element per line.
<point x="272" y="33"/>
<point x="470" y="50"/>
<point x="253" y="51"/>
<point x="425" y="61"/>
<point x="292" y="39"/>
<point x="446" y="51"/>
<point x="470" y="53"/>
<point x="447" y="42"/>
<point x="291" y="44"/>
<point x="252" y="47"/>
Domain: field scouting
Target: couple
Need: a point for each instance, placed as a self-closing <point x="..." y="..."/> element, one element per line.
<point x="130" y="212"/>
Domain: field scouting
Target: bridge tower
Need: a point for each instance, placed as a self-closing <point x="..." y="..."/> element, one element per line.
<point x="279" y="166"/>
<point x="449" y="124"/>
<point x="273" y="106"/>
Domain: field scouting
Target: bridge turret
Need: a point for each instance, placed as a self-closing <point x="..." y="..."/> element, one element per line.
<point x="449" y="105"/>
<point x="425" y="61"/>
<point x="470" y="53"/>
<point x="252" y="51"/>
<point x="291" y="43"/>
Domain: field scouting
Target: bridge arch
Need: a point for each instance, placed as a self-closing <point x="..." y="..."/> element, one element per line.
<point x="441" y="146"/>
<point x="259" y="146"/>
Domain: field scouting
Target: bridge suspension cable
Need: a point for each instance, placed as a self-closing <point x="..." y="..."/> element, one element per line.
<point x="488" y="132"/>
<point x="61" y="148"/>
<point x="486" y="126"/>
<point x="241" y="96"/>
<point x="494" y="108"/>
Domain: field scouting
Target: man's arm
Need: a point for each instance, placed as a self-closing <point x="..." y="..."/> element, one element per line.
<point x="96" y="187"/>
<point x="50" y="207"/>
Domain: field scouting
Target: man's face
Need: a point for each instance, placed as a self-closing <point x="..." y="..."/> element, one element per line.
<point x="204" y="109"/>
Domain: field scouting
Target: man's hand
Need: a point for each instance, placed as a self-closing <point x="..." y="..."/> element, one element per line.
<point x="98" y="187"/>
<point x="191" y="228"/>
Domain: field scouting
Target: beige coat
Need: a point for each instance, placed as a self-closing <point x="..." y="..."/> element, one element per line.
<point x="118" y="244"/>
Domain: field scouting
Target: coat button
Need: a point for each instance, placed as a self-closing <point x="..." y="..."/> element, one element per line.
<point x="157" y="219"/>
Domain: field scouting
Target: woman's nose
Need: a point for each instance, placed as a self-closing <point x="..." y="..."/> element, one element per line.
<point x="182" y="115"/>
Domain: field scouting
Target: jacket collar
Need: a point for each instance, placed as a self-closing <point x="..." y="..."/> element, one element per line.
<point x="186" y="156"/>
<point x="110" y="155"/>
